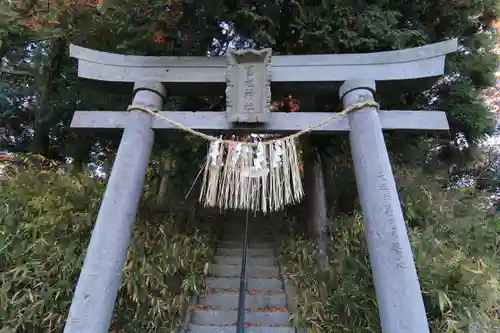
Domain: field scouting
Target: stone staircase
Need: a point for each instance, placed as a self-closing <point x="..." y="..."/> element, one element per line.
<point x="266" y="302"/>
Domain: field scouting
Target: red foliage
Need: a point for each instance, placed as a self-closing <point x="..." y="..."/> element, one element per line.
<point x="286" y="104"/>
<point x="160" y="37"/>
<point x="6" y="158"/>
<point x="48" y="13"/>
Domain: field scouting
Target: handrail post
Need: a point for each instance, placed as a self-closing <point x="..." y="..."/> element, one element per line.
<point x="240" y="325"/>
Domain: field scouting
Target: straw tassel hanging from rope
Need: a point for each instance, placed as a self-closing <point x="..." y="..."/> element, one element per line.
<point x="260" y="176"/>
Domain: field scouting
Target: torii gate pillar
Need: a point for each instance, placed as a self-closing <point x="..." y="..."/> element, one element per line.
<point x="400" y="303"/>
<point x="95" y="295"/>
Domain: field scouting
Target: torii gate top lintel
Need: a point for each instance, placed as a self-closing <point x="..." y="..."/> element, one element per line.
<point x="105" y="66"/>
<point x="290" y="73"/>
<point x="391" y="67"/>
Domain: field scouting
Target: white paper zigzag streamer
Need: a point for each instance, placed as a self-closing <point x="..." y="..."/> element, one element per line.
<point x="259" y="177"/>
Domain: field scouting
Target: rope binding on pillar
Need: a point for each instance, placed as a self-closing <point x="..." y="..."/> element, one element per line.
<point x="262" y="175"/>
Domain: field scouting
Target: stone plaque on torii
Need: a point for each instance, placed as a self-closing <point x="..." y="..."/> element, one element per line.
<point x="252" y="76"/>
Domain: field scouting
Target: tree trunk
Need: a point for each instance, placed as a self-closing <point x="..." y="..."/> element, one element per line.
<point x="329" y="178"/>
<point x="108" y="163"/>
<point x="47" y="85"/>
<point x="162" y="191"/>
<point x="3" y="49"/>
<point x="41" y="141"/>
<point x="79" y="151"/>
<point x="317" y="209"/>
<point x="161" y="197"/>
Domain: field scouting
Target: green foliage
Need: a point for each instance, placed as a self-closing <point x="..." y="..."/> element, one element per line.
<point x="471" y="70"/>
<point x="45" y="226"/>
<point x="467" y="113"/>
<point x="156" y="27"/>
<point x="186" y="27"/>
<point x="48" y="217"/>
<point x="455" y="245"/>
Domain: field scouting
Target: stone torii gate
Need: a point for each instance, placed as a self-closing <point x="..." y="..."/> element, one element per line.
<point x="399" y="297"/>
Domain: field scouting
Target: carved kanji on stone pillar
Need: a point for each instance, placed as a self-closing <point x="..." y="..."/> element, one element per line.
<point x="248" y="91"/>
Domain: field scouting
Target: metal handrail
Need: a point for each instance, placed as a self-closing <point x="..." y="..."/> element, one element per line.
<point x="240" y="325"/>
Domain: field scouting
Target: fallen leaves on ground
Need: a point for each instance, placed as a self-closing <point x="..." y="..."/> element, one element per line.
<point x="204" y="307"/>
<point x="265" y="292"/>
<point x="269" y="309"/>
<point x="264" y="325"/>
<point x="215" y="325"/>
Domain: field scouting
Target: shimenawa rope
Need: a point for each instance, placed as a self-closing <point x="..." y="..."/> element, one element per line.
<point x="155" y="112"/>
<point x="262" y="175"/>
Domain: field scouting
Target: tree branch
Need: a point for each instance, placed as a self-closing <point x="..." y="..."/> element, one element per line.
<point x="16" y="72"/>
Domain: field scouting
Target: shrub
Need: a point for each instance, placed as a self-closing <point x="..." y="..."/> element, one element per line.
<point x="455" y="246"/>
<point x="45" y="226"/>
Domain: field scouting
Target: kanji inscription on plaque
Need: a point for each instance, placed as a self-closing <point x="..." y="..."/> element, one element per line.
<point x="248" y="91"/>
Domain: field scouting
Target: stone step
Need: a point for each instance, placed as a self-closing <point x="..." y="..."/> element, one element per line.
<point x="252" y="283"/>
<point x="229" y="300"/>
<point x="250" y="240"/>
<point x="252" y="245"/>
<point x="255" y="232"/>
<point x="239" y="233"/>
<point x="251" y="226"/>
<point x="241" y="225"/>
<point x="259" y="229"/>
<point x="193" y="328"/>
<point x="230" y="317"/>
<point x="250" y="252"/>
<point x="235" y="260"/>
<point x="235" y="270"/>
